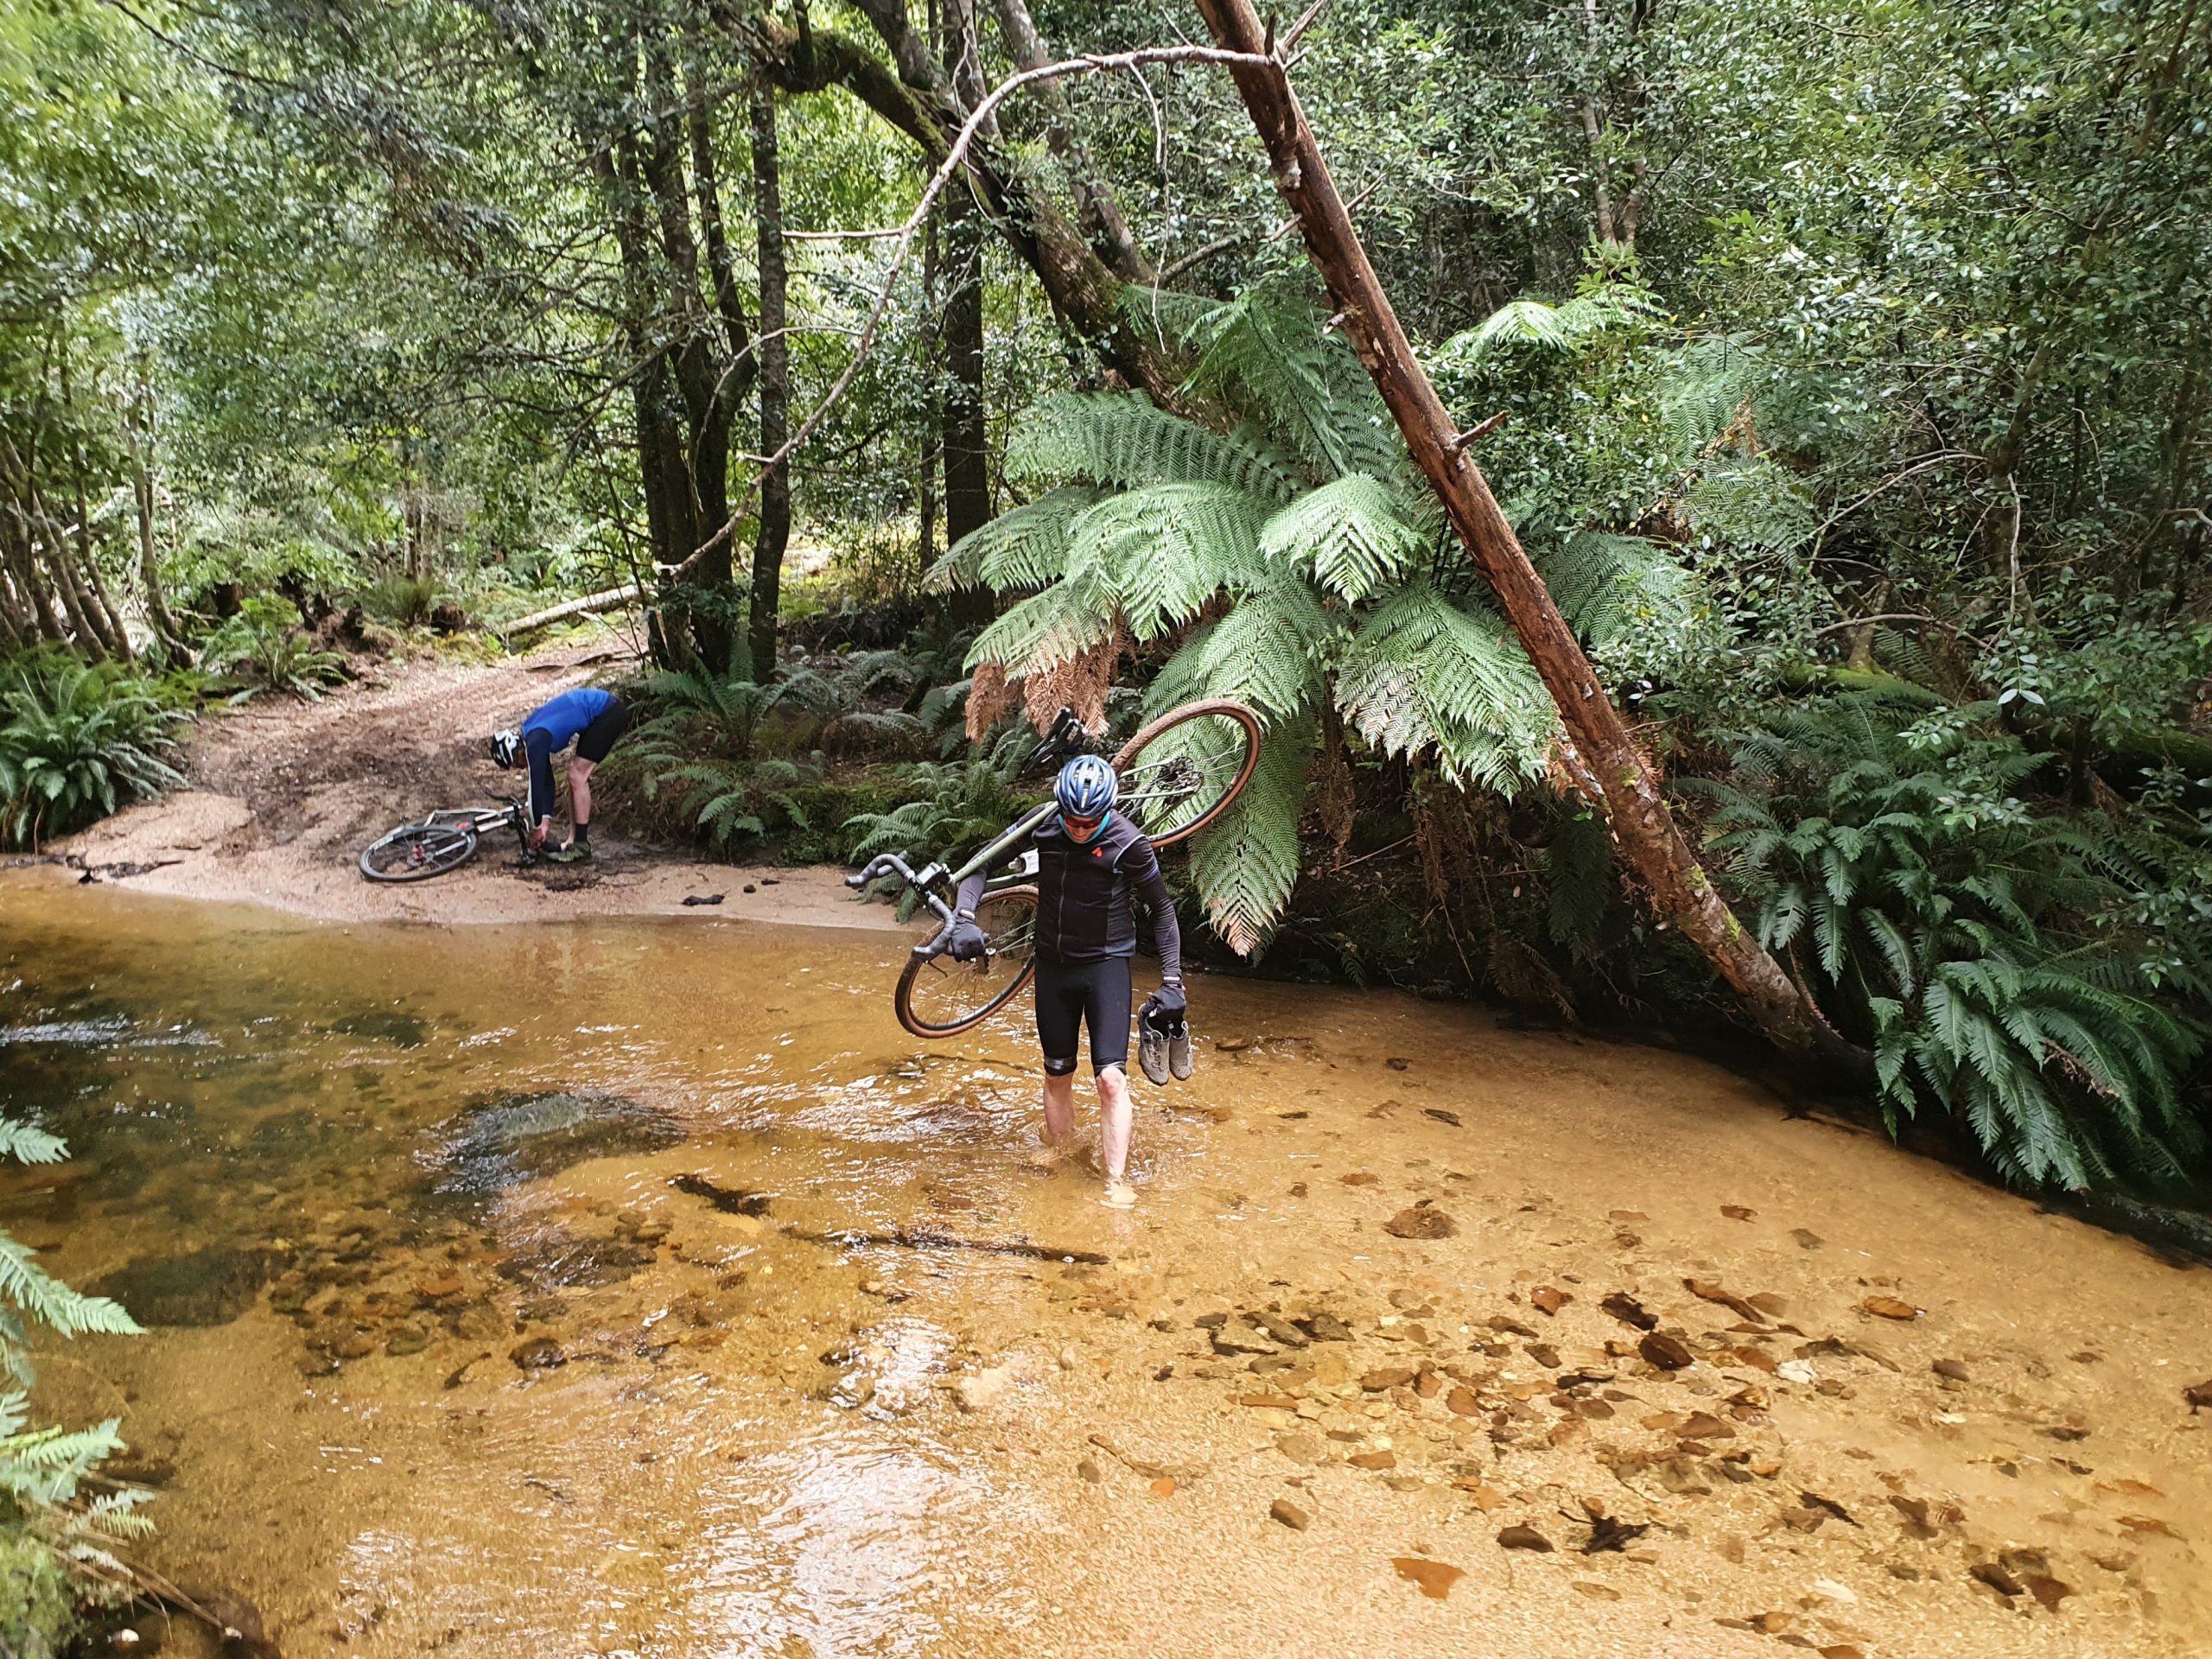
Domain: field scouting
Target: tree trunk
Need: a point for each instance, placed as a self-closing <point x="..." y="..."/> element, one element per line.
<point x="1100" y="209"/>
<point x="100" y="609"/>
<point x="919" y="101"/>
<point x="775" y="532"/>
<point x="967" y="460"/>
<point x="20" y="549"/>
<point x="159" y="617"/>
<point x="932" y="404"/>
<point x="1600" y="749"/>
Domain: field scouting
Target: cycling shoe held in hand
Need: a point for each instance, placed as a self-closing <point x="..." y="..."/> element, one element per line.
<point x="966" y="942"/>
<point x="1164" y="1034"/>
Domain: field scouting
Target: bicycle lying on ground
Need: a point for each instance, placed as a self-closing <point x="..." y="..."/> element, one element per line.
<point x="1179" y="774"/>
<point x="443" y="841"/>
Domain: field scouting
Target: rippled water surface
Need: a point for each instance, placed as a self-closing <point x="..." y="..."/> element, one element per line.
<point x="641" y="1287"/>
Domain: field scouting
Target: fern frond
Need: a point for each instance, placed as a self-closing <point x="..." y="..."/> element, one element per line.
<point x="1162" y="551"/>
<point x="1046" y="629"/>
<point x="1348" y="536"/>
<point x="47" y="1300"/>
<point x="1126" y="441"/>
<point x="1270" y="651"/>
<point x="1602" y="582"/>
<point x="1276" y="363"/>
<point x="1422" y="674"/>
<point x="1024" y="546"/>
<point x="1246" y="862"/>
<point x="27" y="1145"/>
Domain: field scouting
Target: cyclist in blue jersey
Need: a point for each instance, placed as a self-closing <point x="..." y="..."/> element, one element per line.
<point x="591" y="720"/>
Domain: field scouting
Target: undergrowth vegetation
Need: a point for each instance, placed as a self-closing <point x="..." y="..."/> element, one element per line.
<point x="60" y="1520"/>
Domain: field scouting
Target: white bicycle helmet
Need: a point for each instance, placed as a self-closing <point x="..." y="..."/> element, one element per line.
<point x="506" y="748"/>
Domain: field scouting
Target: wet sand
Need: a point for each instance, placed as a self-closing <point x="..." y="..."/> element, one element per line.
<point x="792" y="1358"/>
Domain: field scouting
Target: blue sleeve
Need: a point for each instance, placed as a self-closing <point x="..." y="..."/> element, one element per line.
<point x="543" y="796"/>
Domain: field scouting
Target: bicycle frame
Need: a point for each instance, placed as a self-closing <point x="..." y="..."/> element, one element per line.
<point x="926" y="879"/>
<point x="1067" y="736"/>
<point x="484" y="819"/>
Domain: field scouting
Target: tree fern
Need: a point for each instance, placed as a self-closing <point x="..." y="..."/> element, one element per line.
<point x="1159" y="553"/>
<point x="1067" y="619"/>
<point x="1564" y="328"/>
<point x="1271" y="651"/>
<point x="1422" y="674"/>
<point x="1604" y="583"/>
<point x="1277" y="365"/>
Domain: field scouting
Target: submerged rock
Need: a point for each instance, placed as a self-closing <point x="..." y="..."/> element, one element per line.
<point x="198" y="1287"/>
<point x="516" y="1138"/>
<point x="394" y="1026"/>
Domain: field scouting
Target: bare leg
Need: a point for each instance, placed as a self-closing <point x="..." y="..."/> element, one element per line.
<point x="1060" y="1121"/>
<point x="1114" y="1122"/>
<point x="579" y="770"/>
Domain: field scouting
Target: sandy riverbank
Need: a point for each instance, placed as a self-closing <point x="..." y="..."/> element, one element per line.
<point x="282" y="794"/>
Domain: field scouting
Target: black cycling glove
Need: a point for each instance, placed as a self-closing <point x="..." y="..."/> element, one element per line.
<point x="1166" y="1006"/>
<point x="965" y="941"/>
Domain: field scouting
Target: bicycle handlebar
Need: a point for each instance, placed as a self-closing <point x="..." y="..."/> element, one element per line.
<point x="921" y="881"/>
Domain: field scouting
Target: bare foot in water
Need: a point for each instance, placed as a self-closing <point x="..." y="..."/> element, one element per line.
<point x="1050" y="1156"/>
<point x="1120" y="1195"/>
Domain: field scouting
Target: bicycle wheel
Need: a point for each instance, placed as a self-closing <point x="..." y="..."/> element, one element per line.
<point x="1180" y="773"/>
<point x="937" y="996"/>
<point x="415" y="852"/>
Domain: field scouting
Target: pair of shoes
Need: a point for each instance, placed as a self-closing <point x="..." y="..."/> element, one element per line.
<point x="574" y="853"/>
<point x="1165" y="1051"/>
<point x="1152" y="1051"/>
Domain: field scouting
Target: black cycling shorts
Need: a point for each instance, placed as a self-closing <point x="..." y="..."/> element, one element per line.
<point x="1096" y="994"/>
<point x="593" y="742"/>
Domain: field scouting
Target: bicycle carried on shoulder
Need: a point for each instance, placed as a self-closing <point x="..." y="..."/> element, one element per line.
<point x="1178" y="774"/>
<point x="443" y="841"/>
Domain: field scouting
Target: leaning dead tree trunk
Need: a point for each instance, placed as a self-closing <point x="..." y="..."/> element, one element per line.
<point x="1603" y="752"/>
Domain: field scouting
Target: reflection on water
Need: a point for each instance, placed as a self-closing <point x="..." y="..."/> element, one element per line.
<point x="641" y="1288"/>
<point x="401" y="1174"/>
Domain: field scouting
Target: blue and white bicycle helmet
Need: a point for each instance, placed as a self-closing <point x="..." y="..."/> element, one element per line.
<point x="506" y="747"/>
<point x="1086" y="788"/>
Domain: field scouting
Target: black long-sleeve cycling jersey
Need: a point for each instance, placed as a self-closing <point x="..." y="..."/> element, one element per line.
<point x="1085" y="895"/>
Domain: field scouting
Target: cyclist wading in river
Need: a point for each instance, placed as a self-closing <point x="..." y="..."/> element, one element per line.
<point x="1092" y="865"/>
<point x="591" y="719"/>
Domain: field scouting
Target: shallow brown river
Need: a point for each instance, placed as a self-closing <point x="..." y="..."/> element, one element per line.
<point x="641" y="1287"/>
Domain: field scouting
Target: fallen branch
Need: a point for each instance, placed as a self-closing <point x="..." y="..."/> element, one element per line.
<point x="906" y="1240"/>
<point x="606" y="599"/>
<point x="1595" y="740"/>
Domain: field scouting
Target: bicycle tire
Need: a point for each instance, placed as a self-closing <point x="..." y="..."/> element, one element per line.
<point x="1247" y="724"/>
<point x="1017" y="931"/>
<point x="418" y="851"/>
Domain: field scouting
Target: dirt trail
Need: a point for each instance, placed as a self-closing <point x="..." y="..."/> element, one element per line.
<point x="282" y="795"/>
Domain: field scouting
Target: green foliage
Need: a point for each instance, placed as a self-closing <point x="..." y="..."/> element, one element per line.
<point x="1284" y="562"/>
<point x="54" y="1538"/>
<point x="264" y="648"/>
<point x="1994" y="959"/>
<point x="1600" y="308"/>
<point x="947" y="810"/>
<point x="75" y="744"/>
